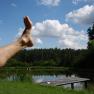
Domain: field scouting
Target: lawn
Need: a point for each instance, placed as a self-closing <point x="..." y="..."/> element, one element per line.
<point x="29" y="88"/>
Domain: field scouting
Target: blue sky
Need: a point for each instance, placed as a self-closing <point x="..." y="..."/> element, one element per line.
<point x="56" y="23"/>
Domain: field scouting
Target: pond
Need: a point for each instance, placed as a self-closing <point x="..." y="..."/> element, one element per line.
<point x="48" y="78"/>
<point x="38" y="75"/>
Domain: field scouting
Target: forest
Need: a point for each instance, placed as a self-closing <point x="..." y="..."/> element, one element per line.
<point x="54" y="57"/>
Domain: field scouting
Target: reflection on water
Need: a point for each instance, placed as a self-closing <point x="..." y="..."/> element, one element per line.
<point x="43" y="78"/>
<point x="37" y="76"/>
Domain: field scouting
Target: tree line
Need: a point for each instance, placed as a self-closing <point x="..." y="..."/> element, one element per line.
<point x="54" y="57"/>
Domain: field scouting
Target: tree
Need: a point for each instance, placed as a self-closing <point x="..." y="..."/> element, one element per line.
<point x="90" y="33"/>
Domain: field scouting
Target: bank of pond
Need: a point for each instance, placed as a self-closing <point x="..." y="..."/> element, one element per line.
<point x="29" y="88"/>
<point x="34" y="76"/>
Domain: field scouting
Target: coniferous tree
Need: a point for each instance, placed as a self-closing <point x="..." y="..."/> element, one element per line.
<point x="90" y="32"/>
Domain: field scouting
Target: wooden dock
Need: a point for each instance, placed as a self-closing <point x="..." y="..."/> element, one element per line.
<point x="66" y="81"/>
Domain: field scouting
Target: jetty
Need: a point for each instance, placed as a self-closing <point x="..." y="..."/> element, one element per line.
<point x="66" y="81"/>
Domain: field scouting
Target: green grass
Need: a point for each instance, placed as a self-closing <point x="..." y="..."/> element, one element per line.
<point x="29" y="88"/>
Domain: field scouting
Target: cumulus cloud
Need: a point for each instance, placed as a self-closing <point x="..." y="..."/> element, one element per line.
<point x="84" y="15"/>
<point x="66" y="36"/>
<point x="47" y="28"/>
<point x="50" y="2"/>
<point x="35" y="39"/>
<point x="75" y="41"/>
<point x="63" y="35"/>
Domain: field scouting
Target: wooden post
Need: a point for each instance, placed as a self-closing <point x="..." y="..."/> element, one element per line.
<point x="85" y="84"/>
<point x="72" y="85"/>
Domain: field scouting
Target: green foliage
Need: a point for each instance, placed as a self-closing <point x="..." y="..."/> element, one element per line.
<point x="85" y="60"/>
<point x="16" y="63"/>
<point x="56" y="57"/>
<point x="29" y="88"/>
<point x="91" y="44"/>
<point x="90" y="33"/>
<point x="43" y="57"/>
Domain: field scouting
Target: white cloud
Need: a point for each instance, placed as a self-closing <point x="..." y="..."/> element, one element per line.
<point x="13" y="5"/>
<point x="75" y="2"/>
<point x="84" y="15"/>
<point x="63" y="35"/>
<point x="47" y="28"/>
<point x="20" y="31"/>
<point x="50" y="2"/>
<point x="76" y="41"/>
<point x="66" y="36"/>
<point x="35" y="40"/>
